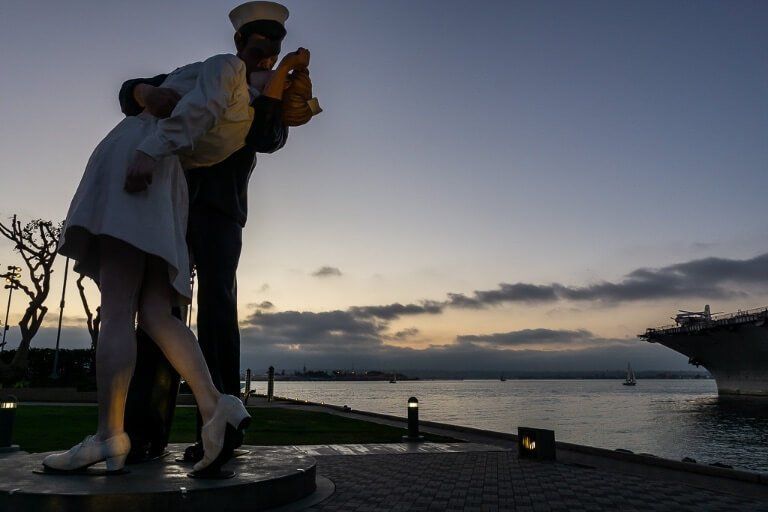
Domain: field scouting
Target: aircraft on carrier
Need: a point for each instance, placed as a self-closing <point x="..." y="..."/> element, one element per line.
<point x="694" y="317"/>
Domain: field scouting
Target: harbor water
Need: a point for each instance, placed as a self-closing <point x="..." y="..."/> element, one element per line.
<point x="668" y="418"/>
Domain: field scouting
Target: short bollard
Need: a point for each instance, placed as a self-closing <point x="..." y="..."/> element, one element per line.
<point x="247" y="392"/>
<point x="271" y="384"/>
<point x="7" y="417"/>
<point x="536" y="443"/>
<point x="413" y="421"/>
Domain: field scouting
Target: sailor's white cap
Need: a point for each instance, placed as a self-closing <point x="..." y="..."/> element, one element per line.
<point x="254" y="11"/>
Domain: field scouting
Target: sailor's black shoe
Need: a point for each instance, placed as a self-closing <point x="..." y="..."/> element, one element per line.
<point x="194" y="453"/>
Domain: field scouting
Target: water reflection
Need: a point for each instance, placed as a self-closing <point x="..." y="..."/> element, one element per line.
<point x="729" y="429"/>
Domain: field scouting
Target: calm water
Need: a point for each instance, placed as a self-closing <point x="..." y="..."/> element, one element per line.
<point x="668" y="418"/>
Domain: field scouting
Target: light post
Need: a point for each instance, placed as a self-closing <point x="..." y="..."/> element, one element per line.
<point x="55" y="372"/>
<point x="7" y="415"/>
<point x="13" y="284"/>
<point x="413" y="421"/>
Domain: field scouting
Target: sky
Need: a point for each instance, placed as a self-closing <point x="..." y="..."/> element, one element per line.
<point x="494" y="185"/>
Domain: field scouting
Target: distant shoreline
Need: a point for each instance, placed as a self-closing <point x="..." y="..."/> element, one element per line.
<point x="639" y="376"/>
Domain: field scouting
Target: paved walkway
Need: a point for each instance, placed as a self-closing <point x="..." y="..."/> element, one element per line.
<point x="496" y="481"/>
<point x="455" y="477"/>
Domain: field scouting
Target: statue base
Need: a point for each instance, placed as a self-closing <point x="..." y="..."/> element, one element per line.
<point x="262" y="479"/>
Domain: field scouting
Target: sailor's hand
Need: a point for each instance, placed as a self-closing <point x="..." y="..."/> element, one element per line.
<point x="159" y="101"/>
<point x="296" y="60"/>
<point x="139" y="174"/>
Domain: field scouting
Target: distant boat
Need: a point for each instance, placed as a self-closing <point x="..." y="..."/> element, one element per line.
<point x="393" y="380"/>
<point x="503" y="378"/>
<point x="630" y="380"/>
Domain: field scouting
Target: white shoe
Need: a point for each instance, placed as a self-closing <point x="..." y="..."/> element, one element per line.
<point x="113" y="450"/>
<point x="229" y="411"/>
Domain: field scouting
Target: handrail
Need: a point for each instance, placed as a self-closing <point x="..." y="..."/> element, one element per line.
<point x="720" y="319"/>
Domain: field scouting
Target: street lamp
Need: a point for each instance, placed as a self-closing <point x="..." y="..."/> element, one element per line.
<point x="55" y="372"/>
<point x="14" y="274"/>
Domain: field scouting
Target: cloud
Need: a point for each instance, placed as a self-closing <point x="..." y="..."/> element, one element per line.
<point x="518" y="292"/>
<point x="362" y="346"/>
<point x="709" y="278"/>
<point x="396" y="310"/>
<point x="406" y="333"/>
<point x="263" y="305"/>
<point x="344" y="342"/>
<point x="467" y="356"/>
<point x="356" y="327"/>
<point x="358" y="337"/>
<point x="296" y="329"/>
<point x="531" y="337"/>
<point x="327" y="272"/>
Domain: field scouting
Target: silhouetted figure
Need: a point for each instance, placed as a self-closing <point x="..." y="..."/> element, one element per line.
<point x="217" y="214"/>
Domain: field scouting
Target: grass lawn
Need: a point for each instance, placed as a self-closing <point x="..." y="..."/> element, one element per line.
<point x="45" y="428"/>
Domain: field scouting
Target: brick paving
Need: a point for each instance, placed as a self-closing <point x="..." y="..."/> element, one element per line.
<point x="494" y="481"/>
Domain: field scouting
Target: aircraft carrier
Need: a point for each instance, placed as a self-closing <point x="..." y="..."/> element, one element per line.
<point x="733" y="347"/>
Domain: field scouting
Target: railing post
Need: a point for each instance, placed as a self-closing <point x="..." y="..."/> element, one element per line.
<point x="247" y="386"/>
<point x="271" y="384"/>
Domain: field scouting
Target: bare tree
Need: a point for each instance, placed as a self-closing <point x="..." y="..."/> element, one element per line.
<point x="36" y="242"/>
<point x="92" y="320"/>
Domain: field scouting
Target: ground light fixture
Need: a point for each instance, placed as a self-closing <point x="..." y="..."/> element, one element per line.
<point x="535" y="443"/>
<point x="413" y="421"/>
<point x="7" y="416"/>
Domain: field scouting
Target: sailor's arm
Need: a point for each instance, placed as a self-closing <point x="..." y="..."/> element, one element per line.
<point x="134" y="93"/>
<point x="268" y="133"/>
<point x="198" y="110"/>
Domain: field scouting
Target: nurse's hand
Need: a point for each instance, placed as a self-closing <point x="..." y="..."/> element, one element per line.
<point x="139" y="174"/>
<point x="296" y="60"/>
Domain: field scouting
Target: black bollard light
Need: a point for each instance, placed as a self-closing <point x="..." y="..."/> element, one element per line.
<point x="413" y="421"/>
<point x="7" y="416"/>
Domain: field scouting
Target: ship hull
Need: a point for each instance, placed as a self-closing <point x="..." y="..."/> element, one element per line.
<point x="735" y="355"/>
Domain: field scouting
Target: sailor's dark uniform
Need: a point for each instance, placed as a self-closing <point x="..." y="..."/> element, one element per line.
<point x="218" y="199"/>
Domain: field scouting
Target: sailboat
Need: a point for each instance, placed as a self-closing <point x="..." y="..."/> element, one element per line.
<point x="630" y="380"/>
<point x="393" y="380"/>
<point x="502" y="378"/>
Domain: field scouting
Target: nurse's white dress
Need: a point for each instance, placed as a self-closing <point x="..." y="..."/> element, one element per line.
<point x="209" y="123"/>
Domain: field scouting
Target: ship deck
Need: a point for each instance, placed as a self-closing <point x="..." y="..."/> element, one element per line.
<point x="717" y="321"/>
